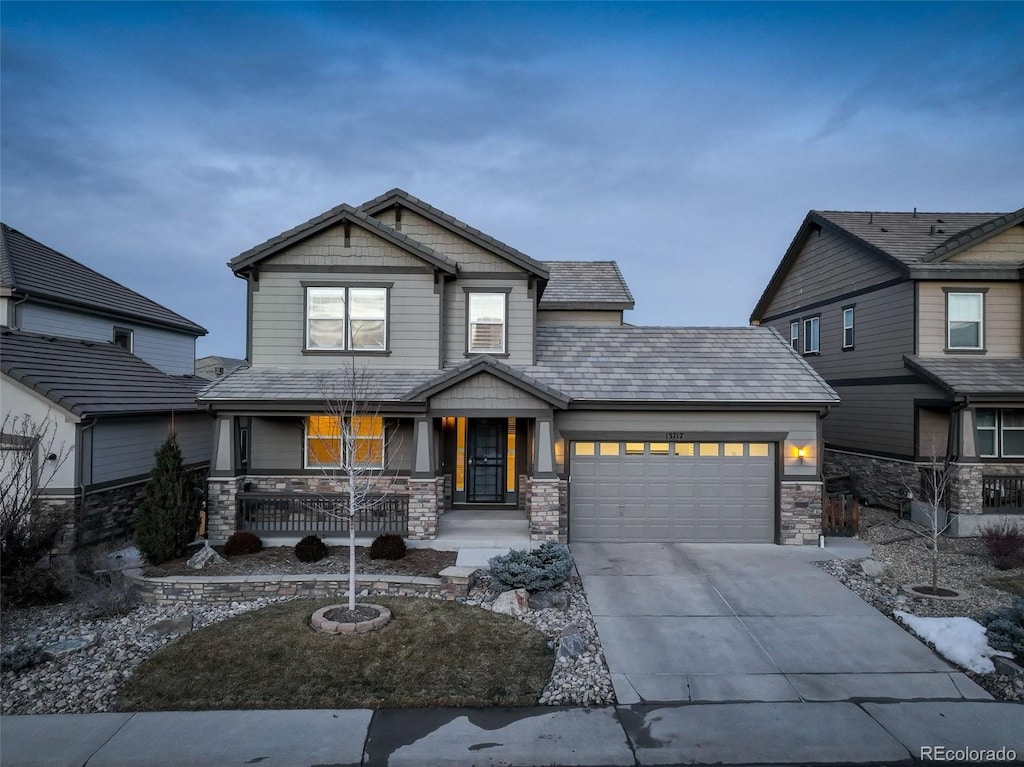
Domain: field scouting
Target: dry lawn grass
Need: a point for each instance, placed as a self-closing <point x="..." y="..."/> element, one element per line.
<point x="1012" y="583"/>
<point x="432" y="653"/>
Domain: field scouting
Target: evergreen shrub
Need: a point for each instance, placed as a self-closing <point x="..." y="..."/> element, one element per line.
<point x="546" y="567"/>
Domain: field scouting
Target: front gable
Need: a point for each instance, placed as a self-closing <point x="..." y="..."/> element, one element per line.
<point x="485" y="391"/>
<point x="345" y="246"/>
<point x="1007" y="247"/>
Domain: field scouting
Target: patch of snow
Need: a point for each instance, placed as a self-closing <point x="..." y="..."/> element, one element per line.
<point x="962" y="640"/>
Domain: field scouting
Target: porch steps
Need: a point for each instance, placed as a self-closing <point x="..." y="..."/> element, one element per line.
<point x="496" y="530"/>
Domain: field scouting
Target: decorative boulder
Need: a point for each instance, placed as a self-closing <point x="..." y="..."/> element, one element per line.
<point x="204" y="557"/>
<point x="514" y="602"/>
<point x="872" y="568"/>
<point x="549" y="600"/>
<point x="179" y="625"/>
<point x="570" y="643"/>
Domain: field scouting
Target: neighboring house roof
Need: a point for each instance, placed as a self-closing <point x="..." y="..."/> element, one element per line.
<point x="206" y="367"/>
<point x="29" y="267"/>
<point x="972" y="376"/>
<point x="90" y="378"/>
<point x="639" y="366"/>
<point x="331" y="218"/>
<point x="911" y="242"/>
<point x="585" y="285"/>
<point x="497" y="247"/>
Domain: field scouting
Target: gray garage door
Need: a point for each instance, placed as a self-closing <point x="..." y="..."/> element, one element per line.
<point x="672" y="491"/>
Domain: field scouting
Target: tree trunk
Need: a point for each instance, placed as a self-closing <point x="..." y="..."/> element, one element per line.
<point x="351" y="544"/>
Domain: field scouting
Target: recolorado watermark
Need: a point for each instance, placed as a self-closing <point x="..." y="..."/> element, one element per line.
<point x="949" y="754"/>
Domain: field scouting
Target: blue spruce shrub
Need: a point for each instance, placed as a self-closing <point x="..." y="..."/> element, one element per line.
<point x="546" y="567"/>
<point x="1006" y="627"/>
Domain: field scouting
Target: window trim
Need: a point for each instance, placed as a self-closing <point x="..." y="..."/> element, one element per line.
<point x="504" y="293"/>
<point x="808" y="322"/>
<point x="794" y="334"/>
<point x="851" y="308"/>
<point x="998" y="429"/>
<point x="980" y="348"/>
<point x="130" y="348"/>
<point x="347" y="330"/>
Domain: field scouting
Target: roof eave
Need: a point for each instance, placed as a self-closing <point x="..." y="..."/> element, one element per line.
<point x="593" y="306"/>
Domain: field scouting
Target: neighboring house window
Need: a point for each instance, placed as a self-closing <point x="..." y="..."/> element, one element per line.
<point x="218" y="371"/>
<point x="1000" y="433"/>
<point x="125" y="338"/>
<point x="487" y="323"/>
<point x="964" y="320"/>
<point x="811" y="335"/>
<point x="794" y="334"/>
<point x="848" y="327"/>
<point x="325" y="442"/>
<point x="346" y="318"/>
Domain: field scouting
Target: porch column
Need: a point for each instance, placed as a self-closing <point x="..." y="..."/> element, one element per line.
<point x="222" y="484"/>
<point x="423" y="464"/>
<point x="544" y="489"/>
<point x="544" y="450"/>
<point x="424" y="488"/>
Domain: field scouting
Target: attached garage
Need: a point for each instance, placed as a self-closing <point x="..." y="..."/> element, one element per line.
<point x="710" y="492"/>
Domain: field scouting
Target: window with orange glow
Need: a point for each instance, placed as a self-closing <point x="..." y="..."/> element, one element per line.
<point x="325" y="442"/>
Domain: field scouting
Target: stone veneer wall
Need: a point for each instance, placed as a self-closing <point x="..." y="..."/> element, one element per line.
<point x="63" y="510"/>
<point x="966" y="495"/>
<point x="884" y="479"/>
<point x="221" y="510"/>
<point x="800" y="512"/>
<point x="546" y="509"/>
<point x="225" y="589"/>
<point x="426" y="500"/>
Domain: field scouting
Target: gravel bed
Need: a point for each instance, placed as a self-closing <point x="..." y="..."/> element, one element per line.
<point x="963" y="565"/>
<point x="87" y="681"/>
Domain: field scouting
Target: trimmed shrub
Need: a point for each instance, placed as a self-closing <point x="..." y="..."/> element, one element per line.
<point x="387" y="546"/>
<point x="1006" y="627"/>
<point x="1004" y="542"/>
<point x="242" y="542"/>
<point x="546" y="567"/>
<point x="32" y="586"/>
<point x="169" y="518"/>
<point x="310" y="549"/>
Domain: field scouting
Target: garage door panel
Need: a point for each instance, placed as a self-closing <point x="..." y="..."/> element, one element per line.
<point x="657" y="497"/>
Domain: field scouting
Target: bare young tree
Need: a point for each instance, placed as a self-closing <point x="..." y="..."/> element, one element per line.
<point x="30" y="457"/>
<point x="355" y="449"/>
<point x="933" y="494"/>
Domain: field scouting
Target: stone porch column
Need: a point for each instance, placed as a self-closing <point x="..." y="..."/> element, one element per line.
<point x="423" y="506"/>
<point x="544" y="488"/>
<point x="222" y="484"/>
<point x="800" y="512"/>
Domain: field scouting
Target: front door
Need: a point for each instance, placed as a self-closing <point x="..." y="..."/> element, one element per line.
<point x="485" y="460"/>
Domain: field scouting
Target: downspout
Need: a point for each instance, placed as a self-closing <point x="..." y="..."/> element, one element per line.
<point x="14" y="312"/>
<point x="80" y="470"/>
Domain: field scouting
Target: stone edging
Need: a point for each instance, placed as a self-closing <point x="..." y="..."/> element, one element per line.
<point x="451" y="583"/>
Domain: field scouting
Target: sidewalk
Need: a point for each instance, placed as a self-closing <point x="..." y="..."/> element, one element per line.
<point x="801" y="733"/>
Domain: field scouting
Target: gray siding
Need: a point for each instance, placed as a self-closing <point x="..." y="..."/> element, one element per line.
<point x="883" y="333"/>
<point x="167" y="350"/>
<point x="471" y="258"/>
<point x="520" y="319"/>
<point x="551" y="318"/>
<point x="1004" y="306"/>
<point x="829" y="265"/>
<point x="124" y="448"/>
<point x="876" y="418"/>
<point x="485" y="392"/>
<point x="279" y="306"/>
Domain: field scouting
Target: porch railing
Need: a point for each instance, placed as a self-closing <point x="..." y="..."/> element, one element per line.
<point x="1002" y="495"/>
<point x="293" y="513"/>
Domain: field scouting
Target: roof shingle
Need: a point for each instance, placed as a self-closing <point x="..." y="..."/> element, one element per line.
<point x="585" y="285"/>
<point x="977" y="376"/>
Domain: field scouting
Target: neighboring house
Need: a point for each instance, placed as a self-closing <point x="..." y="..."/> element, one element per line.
<point x="213" y="367"/>
<point x="110" y="368"/>
<point x="510" y="383"/>
<point x="916" y="320"/>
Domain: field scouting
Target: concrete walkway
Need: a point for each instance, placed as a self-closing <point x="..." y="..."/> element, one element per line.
<point x="735" y="733"/>
<point x="749" y="623"/>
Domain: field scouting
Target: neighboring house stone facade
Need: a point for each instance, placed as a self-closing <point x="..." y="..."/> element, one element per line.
<point x="496" y="381"/>
<point x="915" y="319"/>
<point x="109" y="368"/>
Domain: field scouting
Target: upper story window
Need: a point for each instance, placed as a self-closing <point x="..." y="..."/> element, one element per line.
<point x="333" y="443"/>
<point x="487" y="322"/>
<point x="965" y="320"/>
<point x="1000" y="433"/>
<point x="811" y="335"/>
<point x="847" y="327"/>
<point x="346" y="318"/>
<point x="794" y="334"/>
<point x="125" y="338"/>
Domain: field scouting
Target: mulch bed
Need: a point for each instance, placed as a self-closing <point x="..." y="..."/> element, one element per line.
<point x="281" y="560"/>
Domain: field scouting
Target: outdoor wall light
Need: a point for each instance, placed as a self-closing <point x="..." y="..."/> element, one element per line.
<point x="801" y="453"/>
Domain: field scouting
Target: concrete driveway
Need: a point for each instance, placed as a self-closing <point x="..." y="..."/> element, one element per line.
<point x="721" y="622"/>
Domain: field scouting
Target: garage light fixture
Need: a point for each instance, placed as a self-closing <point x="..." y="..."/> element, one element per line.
<point x="801" y="453"/>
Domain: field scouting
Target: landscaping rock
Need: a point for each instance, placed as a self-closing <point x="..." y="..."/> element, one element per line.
<point x="515" y="602"/>
<point x="872" y="568"/>
<point x="570" y="643"/>
<point x="68" y="646"/>
<point x="549" y="600"/>
<point x="178" y="625"/>
<point x="205" y="557"/>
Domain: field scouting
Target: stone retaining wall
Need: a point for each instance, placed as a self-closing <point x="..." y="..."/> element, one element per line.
<point x="881" y="481"/>
<point x="452" y="583"/>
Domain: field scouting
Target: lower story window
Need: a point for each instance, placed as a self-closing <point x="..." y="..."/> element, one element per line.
<point x="332" y="442"/>
<point x="1000" y="433"/>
